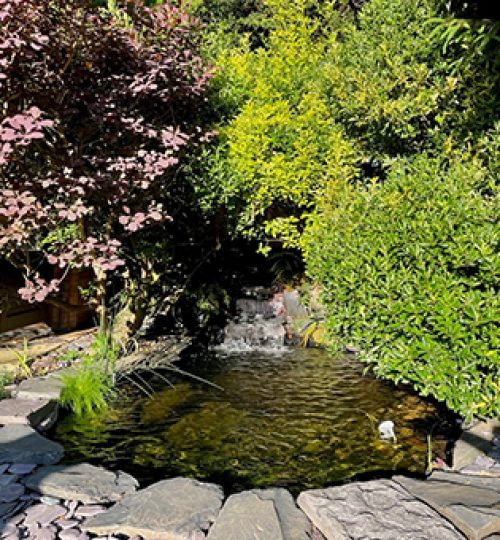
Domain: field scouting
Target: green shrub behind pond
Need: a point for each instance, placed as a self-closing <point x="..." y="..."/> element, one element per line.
<point x="409" y="269"/>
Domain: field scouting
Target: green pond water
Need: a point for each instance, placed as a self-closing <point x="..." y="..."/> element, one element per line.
<point x="299" y="419"/>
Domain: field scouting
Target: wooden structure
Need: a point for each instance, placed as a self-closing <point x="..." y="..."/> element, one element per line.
<point x="67" y="312"/>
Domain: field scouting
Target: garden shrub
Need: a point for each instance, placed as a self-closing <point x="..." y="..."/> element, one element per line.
<point x="90" y="135"/>
<point x="409" y="269"/>
<point x="398" y="89"/>
<point x="274" y="157"/>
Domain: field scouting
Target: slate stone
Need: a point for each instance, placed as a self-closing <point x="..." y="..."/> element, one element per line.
<point x="29" y="412"/>
<point x="72" y="534"/>
<point x="82" y="482"/>
<point x="269" y="514"/>
<point x="67" y="523"/>
<point x="11" y="493"/>
<point x="22" y="444"/>
<point x="22" y="468"/>
<point x="379" y="509"/>
<point x="471" y="503"/>
<point x="43" y="514"/>
<point x="178" y="509"/>
<point x="6" y="479"/>
<point x="475" y="442"/>
<point x="48" y="387"/>
<point x="89" y="511"/>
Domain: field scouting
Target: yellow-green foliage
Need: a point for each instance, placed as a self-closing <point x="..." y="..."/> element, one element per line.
<point x="405" y="251"/>
<point x="283" y="146"/>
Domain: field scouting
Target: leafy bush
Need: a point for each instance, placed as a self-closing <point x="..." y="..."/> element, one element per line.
<point x="273" y="158"/>
<point x="89" y="136"/>
<point x="409" y="272"/>
<point x="397" y="88"/>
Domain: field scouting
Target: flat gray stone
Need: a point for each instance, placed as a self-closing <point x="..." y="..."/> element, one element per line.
<point x="48" y="387"/>
<point x="37" y="413"/>
<point x="22" y="444"/>
<point x="43" y="514"/>
<point x="175" y="509"/>
<point x="72" y="534"/>
<point x="11" y="493"/>
<point x="6" y="479"/>
<point x="83" y="482"/>
<point x="379" y="509"/>
<point x="474" y="443"/>
<point x="268" y="514"/>
<point x="22" y="468"/>
<point x="471" y="503"/>
<point x="89" y="511"/>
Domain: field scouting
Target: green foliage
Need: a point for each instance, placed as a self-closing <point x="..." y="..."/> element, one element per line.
<point x="89" y="386"/>
<point x="23" y="360"/>
<point x="409" y="269"/>
<point x="5" y="379"/>
<point x="283" y="145"/>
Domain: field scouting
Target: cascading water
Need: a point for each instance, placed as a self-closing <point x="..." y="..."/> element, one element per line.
<point x="259" y="324"/>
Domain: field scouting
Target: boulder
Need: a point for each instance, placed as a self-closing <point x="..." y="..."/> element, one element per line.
<point x="82" y="482"/>
<point x="175" y="509"/>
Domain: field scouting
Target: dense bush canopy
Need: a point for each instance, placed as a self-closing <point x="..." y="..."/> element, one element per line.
<point x="370" y="143"/>
<point x="96" y="108"/>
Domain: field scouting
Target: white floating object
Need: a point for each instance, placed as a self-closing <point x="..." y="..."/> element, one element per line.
<point x="386" y="430"/>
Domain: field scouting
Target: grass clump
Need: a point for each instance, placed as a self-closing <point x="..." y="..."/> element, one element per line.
<point x="90" y="385"/>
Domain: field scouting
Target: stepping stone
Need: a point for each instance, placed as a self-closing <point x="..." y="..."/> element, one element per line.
<point x="179" y="508"/>
<point x="379" y="509"/>
<point x="269" y="514"/>
<point x="29" y="412"/>
<point x="22" y="444"/>
<point x="471" y="503"/>
<point x="83" y="482"/>
<point x="48" y="387"/>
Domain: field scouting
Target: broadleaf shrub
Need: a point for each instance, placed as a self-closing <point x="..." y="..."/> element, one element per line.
<point x="409" y="270"/>
<point x="282" y="146"/>
<point x="90" y="137"/>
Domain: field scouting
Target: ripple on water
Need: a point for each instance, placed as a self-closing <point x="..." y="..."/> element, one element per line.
<point x="301" y="419"/>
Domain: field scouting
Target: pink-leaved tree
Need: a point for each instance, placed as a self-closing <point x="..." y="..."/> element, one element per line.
<point x="97" y="111"/>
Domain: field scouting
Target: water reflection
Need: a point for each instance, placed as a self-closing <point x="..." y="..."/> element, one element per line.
<point x="301" y="419"/>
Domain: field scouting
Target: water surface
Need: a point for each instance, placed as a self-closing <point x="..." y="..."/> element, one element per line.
<point x="299" y="419"/>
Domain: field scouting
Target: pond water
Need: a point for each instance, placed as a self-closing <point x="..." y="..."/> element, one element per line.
<point x="298" y="419"/>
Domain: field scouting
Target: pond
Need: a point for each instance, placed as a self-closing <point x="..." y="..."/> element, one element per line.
<point x="299" y="419"/>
